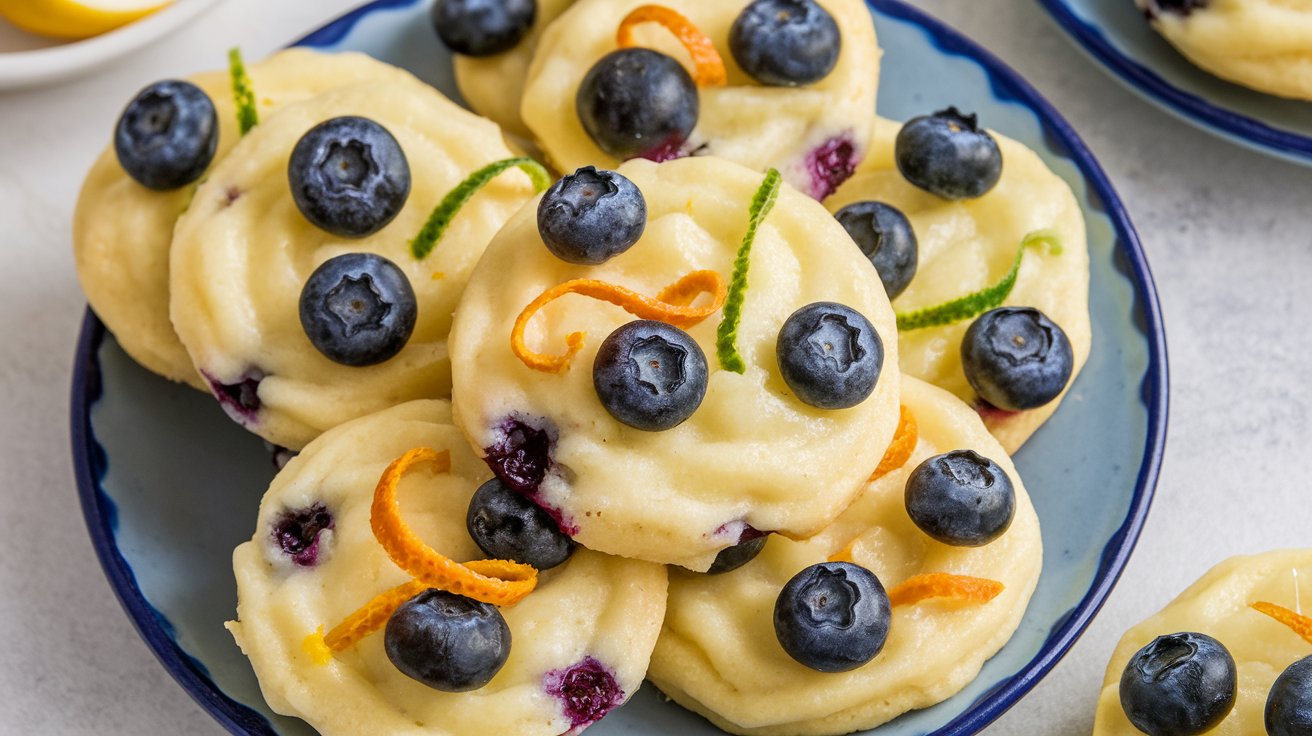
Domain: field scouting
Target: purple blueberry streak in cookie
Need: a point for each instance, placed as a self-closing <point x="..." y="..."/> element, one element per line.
<point x="586" y="690"/>
<point x="298" y="532"/>
<point x="520" y="457"/>
<point x="240" y="399"/>
<point x="831" y="164"/>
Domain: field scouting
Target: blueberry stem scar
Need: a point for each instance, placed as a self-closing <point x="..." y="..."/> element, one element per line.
<point x="978" y="302"/>
<point x="726" y="335"/>
<point x="247" y="116"/>
<point x="446" y="210"/>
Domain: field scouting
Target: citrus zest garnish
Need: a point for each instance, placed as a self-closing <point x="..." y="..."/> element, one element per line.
<point x="247" y="114"/>
<point x="903" y="444"/>
<point x="314" y="646"/>
<point x="1301" y="625"/>
<point x="944" y="585"/>
<point x="978" y="302"/>
<point x="706" y="61"/>
<point x="509" y="581"/>
<point x="844" y="554"/>
<point x="671" y="306"/>
<point x="370" y="617"/>
<point x="446" y="210"/>
<point x="726" y="336"/>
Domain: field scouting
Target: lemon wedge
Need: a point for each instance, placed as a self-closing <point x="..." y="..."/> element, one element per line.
<point x="75" y="19"/>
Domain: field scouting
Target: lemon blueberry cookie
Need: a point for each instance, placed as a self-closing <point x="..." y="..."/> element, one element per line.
<point x="297" y="283"/>
<point x="166" y="140"/>
<point x="1230" y="656"/>
<point x="788" y="84"/>
<point x="755" y="392"/>
<point x="357" y="618"/>
<point x="893" y="607"/>
<point x="982" y="249"/>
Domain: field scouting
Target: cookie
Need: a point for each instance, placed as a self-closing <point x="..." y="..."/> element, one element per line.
<point x="579" y="642"/>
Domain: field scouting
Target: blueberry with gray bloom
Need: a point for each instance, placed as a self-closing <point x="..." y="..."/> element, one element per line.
<point x="446" y="641"/>
<point x="508" y="526"/>
<point x="947" y="154"/>
<point x="830" y="355"/>
<point x="483" y="27"/>
<point x="1016" y="358"/>
<point x="732" y="558"/>
<point x="1179" y="685"/>
<point x="785" y="43"/>
<point x="636" y="103"/>
<point x="885" y="236"/>
<point x="650" y="375"/>
<point x="358" y="309"/>
<point x="591" y="216"/>
<point x="961" y="498"/>
<point x="167" y="135"/>
<point x="1289" y="704"/>
<point x="832" y="616"/>
<point x="349" y="176"/>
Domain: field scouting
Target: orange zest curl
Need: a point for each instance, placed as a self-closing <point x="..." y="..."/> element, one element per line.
<point x="903" y="444"/>
<point x="707" y="63"/>
<point x="671" y="306"/>
<point x="944" y="585"/>
<point x="1301" y="625"/>
<point x="371" y="616"/>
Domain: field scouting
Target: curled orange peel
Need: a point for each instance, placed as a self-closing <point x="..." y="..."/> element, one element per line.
<point x="371" y="616"/>
<point x="707" y="63"/>
<point x="903" y="444"/>
<point x="1301" y="625"/>
<point x="671" y="306"/>
<point x="960" y="588"/>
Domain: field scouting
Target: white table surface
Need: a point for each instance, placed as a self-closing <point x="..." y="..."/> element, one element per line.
<point x="1226" y="230"/>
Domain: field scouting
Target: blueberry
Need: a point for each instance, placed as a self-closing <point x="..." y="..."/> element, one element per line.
<point x="948" y="155"/>
<point x="521" y="455"/>
<point x="587" y="691"/>
<point x="591" y="216"/>
<point x="830" y="164"/>
<point x="298" y="533"/>
<point x="650" y="375"/>
<point x="1016" y="358"/>
<point x="785" y="43"/>
<point x="483" y="27"/>
<point x="447" y="641"/>
<point x="167" y="135"/>
<point x="358" y="309"/>
<point x="832" y="616"/>
<point x="1289" y="706"/>
<point x="349" y="176"/>
<point x="961" y="498"/>
<point x="830" y="355"/>
<point x="732" y="558"/>
<point x="637" y="103"/>
<point x="1179" y="685"/>
<point x="884" y="234"/>
<point x="508" y="526"/>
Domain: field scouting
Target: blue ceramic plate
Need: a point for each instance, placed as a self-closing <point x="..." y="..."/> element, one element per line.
<point x="169" y="485"/>
<point x="1116" y="35"/>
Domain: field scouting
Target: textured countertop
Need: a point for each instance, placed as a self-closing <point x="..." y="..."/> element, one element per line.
<point x="1226" y="232"/>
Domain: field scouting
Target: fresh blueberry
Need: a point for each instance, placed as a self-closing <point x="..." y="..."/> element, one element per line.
<point x="948" y="155"/>
<point x="508" y="526"/>
<point x="349" y="176"/>
<point x="1289" y="706"/>
<point x="1016" y="358"/>
<point x="830" y="355"/>
<point x="358" y="309"/>
<point x="167" y="135"/>
<point x="447" y="641"/>
<point x="591" y="216"/>
<point x="650" y="375"/>
<point x="483" y="27"/>
<point x="884" y="234"/>
<point x="1179" y="685"/>
<point x="785" y="43"/>
<point x="732" y="558"/>
<point x="637" y="103"/>
<point x="961" y="498"/>
<point x="298" y="533"/>
<point x="832" y="616"/>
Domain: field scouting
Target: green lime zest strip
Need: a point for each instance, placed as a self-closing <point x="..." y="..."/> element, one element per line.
<point x="445" y="212"/>
<point x="976" y="303"/>
<point x="247" y="116"/>
<point x="726" y="335"/>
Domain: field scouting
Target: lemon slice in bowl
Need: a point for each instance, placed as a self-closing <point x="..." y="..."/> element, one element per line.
<point x="75" y="19"/>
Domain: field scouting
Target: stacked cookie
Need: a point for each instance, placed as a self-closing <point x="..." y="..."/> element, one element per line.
<point x="728" y="405"/>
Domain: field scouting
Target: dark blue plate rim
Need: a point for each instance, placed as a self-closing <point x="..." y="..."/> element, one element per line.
<point x="1190" y="107"/>
<point x="99" y="511"/>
